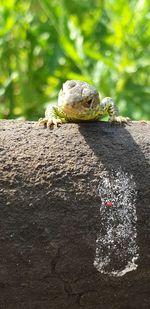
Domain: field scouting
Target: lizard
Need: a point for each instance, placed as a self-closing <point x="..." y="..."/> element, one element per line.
<point x="79" y="101"/>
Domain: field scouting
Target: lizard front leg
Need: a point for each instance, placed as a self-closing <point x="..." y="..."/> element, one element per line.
<point x="52" y="117"/>
<point x="109" y="107"/>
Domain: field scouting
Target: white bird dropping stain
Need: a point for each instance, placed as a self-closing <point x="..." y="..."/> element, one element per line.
<point x="116" y="245"/>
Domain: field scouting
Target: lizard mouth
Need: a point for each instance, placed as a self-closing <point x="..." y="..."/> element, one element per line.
<point x="75" y="108"/>
<point x="78" y="111"/>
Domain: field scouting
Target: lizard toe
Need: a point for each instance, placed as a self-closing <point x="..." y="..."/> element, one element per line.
<point x="121" y="120"/>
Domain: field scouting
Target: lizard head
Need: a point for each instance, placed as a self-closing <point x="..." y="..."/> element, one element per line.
<point x="78" y="100"/>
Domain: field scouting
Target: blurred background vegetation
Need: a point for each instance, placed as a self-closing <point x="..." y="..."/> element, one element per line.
<point x="45" y="42"/>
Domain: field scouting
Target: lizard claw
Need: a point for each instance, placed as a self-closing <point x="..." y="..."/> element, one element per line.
<point x="43" y="121"/>
<point x="57" y="122"/>
<point x="121" y="120"/>
<point x="49" y="122"/>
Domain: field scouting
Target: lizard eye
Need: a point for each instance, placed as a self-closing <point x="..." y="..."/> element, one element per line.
<point x="88" y="103"/>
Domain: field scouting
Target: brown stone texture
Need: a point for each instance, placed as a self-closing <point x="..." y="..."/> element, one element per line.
<point x="50" y="214"/>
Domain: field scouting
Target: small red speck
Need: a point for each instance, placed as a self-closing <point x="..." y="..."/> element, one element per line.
<point x="109" y="204"/>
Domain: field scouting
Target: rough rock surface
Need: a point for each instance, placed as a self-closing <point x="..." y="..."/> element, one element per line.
<point x="50" y="214"/>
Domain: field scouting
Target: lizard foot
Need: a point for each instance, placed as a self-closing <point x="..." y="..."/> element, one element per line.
<point x="143" y="121"/>
<point x="121" y="120"/>
<point x="49" y="122"/>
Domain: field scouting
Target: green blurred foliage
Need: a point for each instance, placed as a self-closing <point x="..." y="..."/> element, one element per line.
<point x="45" y="42"/>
